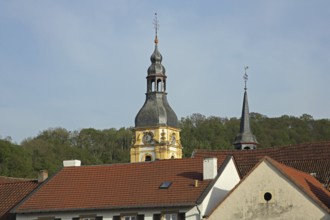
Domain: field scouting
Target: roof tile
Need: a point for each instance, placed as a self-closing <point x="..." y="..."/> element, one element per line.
<point x="120" y="185"/>
<point x="309" y="158"/>
<point x="12" y="192"/>
<point x="306" y="182"/>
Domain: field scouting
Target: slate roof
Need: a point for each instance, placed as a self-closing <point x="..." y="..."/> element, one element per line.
<point x="309" y="158"/>
<point x="306" y="183"/>
<point x="156" y="110"/>
<point x="245" y="135"/>
<point x="11" y="193"/>
<point x="115" y="186"/>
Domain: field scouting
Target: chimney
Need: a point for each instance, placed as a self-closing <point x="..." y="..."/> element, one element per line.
<point x="196" y="183"/>
<point x="71" y="163"/>
<point x="42" y="176"/>
<point x="210" y="170"/>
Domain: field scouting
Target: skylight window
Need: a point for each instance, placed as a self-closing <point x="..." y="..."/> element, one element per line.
<point x="165" y="185"/>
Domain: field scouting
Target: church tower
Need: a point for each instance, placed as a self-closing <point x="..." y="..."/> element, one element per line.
<point x="157" y="135"/>
<point x="245" y="140"/>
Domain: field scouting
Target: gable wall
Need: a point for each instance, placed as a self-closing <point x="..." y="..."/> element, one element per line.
<point x="226" y="181"/>
<point x="247" y="200"/>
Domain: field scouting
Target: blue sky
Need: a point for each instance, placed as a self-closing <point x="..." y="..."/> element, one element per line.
<point x="80" y="64"/>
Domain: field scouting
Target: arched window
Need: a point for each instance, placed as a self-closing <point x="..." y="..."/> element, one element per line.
<point x="159" y="85"/>
<point x="153" y="86"/>
<point x="147" y="158"/>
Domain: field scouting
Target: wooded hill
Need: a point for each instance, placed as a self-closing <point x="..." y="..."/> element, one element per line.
<point x="92" y="146"/>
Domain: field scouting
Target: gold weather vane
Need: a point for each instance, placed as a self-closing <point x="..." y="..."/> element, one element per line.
<point x="245" y="77"/>
<point x="156" y="26"/>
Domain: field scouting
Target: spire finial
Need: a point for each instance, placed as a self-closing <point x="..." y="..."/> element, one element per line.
<point x="245" y="77"/>
<point x="156" y="26"/>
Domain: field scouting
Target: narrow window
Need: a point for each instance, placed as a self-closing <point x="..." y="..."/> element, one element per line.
<point x="129" y="217"/>
<point x="153" y="86"/>
<point x="159" y="86"/>
<point x="170" y="216"/>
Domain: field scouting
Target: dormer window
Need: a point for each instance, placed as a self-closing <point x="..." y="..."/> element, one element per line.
<point x="165" y="185"/>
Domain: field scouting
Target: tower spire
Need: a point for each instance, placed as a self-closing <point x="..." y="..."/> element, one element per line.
<point x="245" y="138"/>
<point x="156" y="26"/>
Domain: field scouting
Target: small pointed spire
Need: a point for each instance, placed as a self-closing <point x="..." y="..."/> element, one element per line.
<point x="245" y="138"/>
<point x="156" y="26"/>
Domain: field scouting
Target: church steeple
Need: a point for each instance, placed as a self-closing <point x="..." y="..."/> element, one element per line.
<point x="157" y="135"/>
<point x="245" y="140"/>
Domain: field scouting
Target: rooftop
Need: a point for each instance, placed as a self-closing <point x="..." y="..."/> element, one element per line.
<point x="310" y="158"/>
<point x="12" y="192"/>
<point x="115" y="186"/>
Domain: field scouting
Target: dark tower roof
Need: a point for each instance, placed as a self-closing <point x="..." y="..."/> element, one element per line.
<point x="156" y="110"/>
<point x="245" y="138"/>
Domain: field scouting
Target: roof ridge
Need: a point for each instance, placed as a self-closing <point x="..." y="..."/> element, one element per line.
<point x="266" y="148"/>
<point x="19" y="182"/>
<point x="14" y="179"/>
<point x="136" y="163"/>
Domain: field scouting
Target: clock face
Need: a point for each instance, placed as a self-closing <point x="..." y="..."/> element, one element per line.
<point x="147" y="138"/>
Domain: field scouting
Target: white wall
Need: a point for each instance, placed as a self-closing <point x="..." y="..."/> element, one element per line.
<point x="226" y="181"/>
<point x="191" y="214"/>
<point x="288" y="202"/>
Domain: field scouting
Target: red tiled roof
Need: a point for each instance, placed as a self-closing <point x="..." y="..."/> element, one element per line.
<point x="121" y="186"/>
<point x="309" y="158"/>
<point x="11" y="193"/>
<point x="305" y="182"/>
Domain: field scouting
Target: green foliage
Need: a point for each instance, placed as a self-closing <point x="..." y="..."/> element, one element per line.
<point x="199" y="131"/>
<point x="14" y="161"/>
<point x="92" y="146"/>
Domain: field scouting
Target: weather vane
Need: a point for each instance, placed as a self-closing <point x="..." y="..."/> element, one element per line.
<point x="156" y="26"/>
<point x="245" y="77"/>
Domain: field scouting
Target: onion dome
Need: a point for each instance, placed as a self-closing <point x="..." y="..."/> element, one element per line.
<point x="156" y="67"/>
<point x="156" y="110"/>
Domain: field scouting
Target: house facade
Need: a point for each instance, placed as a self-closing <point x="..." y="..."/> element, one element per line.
<point x="274" y="191"/>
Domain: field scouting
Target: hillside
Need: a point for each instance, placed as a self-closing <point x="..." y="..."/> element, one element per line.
<point x="48" y="149"/>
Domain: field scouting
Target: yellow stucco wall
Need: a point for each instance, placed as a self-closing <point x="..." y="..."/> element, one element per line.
<point x="165" y="144"/>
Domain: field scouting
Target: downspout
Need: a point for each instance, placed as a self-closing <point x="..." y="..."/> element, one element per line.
<point x="199" y="211"/>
